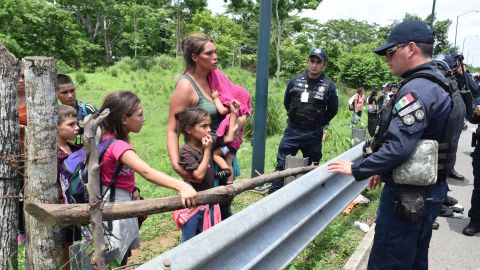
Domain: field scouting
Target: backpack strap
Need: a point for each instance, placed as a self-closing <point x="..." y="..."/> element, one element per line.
<point x="111" y="187"/>
<point x="118" y="168"/>
<point x="429" y="76"/>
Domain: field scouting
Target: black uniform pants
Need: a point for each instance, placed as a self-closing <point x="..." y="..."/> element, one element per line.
<point x="309" y="142"/>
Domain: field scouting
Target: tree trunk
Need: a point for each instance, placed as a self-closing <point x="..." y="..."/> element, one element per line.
<point x="79" y="213"/>
<point x="107" y="43"/>
<point x="44" y="243"/>
<point x="278" y="41"/>
<point x="9" y="152"/>
<point x="178" y="31"/>
<point x="99" y="258"/>
<point x="135" y="30"/>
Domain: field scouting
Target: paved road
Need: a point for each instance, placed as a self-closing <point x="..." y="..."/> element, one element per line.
<point x="449" y="248"/>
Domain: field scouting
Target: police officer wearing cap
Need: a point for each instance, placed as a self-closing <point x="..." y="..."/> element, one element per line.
<point x="418" y="111"/>
<point x="311" y="102"/>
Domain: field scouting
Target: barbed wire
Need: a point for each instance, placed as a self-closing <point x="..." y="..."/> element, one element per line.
<point x="9" y="197"/>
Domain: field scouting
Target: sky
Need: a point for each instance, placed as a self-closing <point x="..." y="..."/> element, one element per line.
<point x="384" y="12"/>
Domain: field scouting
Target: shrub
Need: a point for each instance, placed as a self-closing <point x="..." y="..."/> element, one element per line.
<point x="276" y="118"/>
<point x="63" y="67"/>
<point x="113" y="72"/>
<point x="81" y="78"/>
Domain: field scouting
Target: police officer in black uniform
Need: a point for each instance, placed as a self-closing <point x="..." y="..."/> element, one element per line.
<point x="420" y="110"/>
<point x="474" y="213"/>
<point x="311" y="102"/>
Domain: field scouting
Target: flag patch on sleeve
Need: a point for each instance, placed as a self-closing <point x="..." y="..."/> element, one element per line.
<point x="404" y="101"/>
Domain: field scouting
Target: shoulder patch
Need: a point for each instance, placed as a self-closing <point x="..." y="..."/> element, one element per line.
<point x="419" y="114"/>
<point x="405" y="101"/>
<point x="408" y="119"/>
<point x="410" y="108"/>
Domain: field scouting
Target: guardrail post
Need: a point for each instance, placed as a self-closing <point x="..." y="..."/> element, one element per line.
<point x="294" y="162"/>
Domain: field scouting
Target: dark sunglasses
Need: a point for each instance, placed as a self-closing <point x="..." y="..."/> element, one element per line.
<point x="390" y="52"/>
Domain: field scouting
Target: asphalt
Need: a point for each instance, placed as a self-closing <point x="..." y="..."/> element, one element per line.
<point x="449" y="248"/>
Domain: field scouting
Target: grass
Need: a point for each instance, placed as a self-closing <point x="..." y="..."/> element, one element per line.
<point x="332" y="248"/>
<point x="153" y="81"/>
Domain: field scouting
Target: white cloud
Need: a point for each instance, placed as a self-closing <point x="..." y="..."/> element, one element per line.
<point x="384" y="12"/>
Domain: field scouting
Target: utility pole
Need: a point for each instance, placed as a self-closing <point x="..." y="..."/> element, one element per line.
<point x="432" y="17"/>
<point x="261" y="90"/>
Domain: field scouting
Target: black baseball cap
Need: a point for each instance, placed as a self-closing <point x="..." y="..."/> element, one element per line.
<point x="319" y="53"/>
<point x="407" y="31"/>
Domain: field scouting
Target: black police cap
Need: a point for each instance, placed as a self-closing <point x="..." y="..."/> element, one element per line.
<point x="407" y="31"/>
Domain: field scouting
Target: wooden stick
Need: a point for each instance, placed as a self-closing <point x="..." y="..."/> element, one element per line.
<point x="78" y="213"/>
<point x="99" y="258"/>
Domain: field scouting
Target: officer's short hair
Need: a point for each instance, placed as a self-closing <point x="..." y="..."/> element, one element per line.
<point x="63" y="79"/>
<point x="426" y="49"/>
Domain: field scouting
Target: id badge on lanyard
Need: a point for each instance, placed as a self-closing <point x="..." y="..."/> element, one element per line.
<point x="304" y="96"/>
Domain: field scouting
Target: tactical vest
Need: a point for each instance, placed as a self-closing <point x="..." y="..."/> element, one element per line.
<point x="311" y="114"/>
<point x="447" y="147"/>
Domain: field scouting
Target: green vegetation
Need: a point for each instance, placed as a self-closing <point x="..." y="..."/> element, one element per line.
<point x="153" y="80"/>
<point x="93" y="33"/>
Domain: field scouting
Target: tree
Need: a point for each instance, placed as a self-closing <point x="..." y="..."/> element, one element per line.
<point x="99" y="17"/>
<point x="350" y="32"/>
<point x="183" y="10"/>
<point x="361" y="67"/>
<point x="146" y="30"/>
<point x="245" y="13"/>
<point x="299" y="40"/>
<point x="284" y="11"/>
<point x="227" y="35"/>
<point x="37" y="28"/>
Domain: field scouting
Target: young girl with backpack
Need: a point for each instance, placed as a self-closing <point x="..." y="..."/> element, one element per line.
<point x="196" y="158"/>
<point x="126" y="115"/>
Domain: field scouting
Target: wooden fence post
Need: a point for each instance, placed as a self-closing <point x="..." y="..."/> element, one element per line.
<point x="9" y="152"/>
<point x="44" y="245"/>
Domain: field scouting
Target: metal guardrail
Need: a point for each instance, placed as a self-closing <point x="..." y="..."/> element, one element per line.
<point x="270" y="233"/>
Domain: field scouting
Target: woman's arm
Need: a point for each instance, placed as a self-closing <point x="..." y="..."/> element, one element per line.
<point x="183" y="97"/>
<point x="132" y="160"/>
